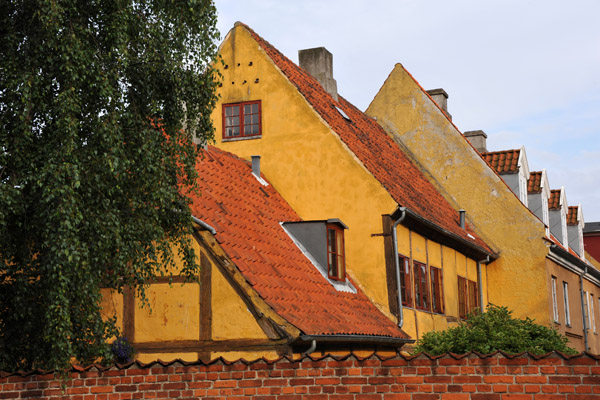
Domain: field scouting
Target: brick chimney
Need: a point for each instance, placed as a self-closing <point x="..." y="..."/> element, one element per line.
<point x="318" y="62"/>
<point x="441" y="98"/>
<point x="477" y="139"/>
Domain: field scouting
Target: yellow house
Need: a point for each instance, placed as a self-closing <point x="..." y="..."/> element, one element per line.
<point x="262" y="291"/>
<point x="406" y="245"/>
<point x="536" y="274"/>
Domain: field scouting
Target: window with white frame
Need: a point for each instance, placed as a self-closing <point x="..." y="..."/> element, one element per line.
<point x="566" y="299"/>
<point x="591" y="311"/>
<point x="554" y="300"/>
<point x="523" y="189"/>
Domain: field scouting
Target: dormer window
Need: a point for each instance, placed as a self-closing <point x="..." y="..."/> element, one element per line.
<point x="336" y="268"/>
<point x="242" y="120"/>
<point x="322" y="242"/>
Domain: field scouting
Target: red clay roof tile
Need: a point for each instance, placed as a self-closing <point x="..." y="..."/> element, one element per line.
<point x="534" y="183"/>
<point x="247" y="216"/>
<point x="504" y="162"/>
<point x="554" y="200"/>
<point x="572" y="215"/>
<point x="375" y="149"/>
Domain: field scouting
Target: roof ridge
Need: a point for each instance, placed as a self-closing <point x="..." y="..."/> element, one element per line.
<point x="372" y="146"/>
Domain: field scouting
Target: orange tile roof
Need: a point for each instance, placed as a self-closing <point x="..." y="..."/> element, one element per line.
<point x="554" y="200"/>
<point x="572" y="215"/>
<point x="382" y="157"/>
<point x="247" y="216"/>
<point x="504" y="162"/>
<point x="534" y="183"/>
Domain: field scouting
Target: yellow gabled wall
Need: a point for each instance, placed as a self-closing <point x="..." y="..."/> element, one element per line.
<point x="304" y="160"/>
<point x="412" y="118"/>
<point x="321" y="178"/>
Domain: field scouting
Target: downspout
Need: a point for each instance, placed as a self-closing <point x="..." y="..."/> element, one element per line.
<point x="397" y="261"/>
<point x="313" y="346"/>
<point x="204" y="225"/>
<point x="486" y="260"/>
<point x="583" y="310"/>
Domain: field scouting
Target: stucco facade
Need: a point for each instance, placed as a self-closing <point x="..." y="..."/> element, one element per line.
<point x="321" y="178"/>
<point x="419" y="126"/>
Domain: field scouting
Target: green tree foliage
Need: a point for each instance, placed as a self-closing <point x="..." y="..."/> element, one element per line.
<point x="98" y="104"/>
<point x="493" y="330"/>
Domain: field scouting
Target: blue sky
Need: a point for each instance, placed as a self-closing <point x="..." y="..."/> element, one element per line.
<point x="527" y="73"/>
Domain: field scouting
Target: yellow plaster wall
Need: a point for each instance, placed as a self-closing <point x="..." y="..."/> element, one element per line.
<point x="166" y="357"/>
<point x="246" y="355"/>
<point x="231" y="319"/>
<point x="173" y="313"/>
<point x="112" y="306"/>
<point x="305" y="161"/>
<point x="453" y="263"/>
<point x="457" y="170"/>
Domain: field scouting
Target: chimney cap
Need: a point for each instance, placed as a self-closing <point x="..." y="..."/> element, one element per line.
<point x="436" y="92"/>
<point x="475" y="133"/>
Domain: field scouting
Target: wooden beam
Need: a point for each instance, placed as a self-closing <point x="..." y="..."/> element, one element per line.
<point x="205" y="309"/>
<point x="274" y="326"/>
<point x="390" y="263"/>
<point x="129" y="313"/>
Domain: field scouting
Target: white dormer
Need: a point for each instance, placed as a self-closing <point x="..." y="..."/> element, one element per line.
<point x="538" y="193"/>
<point x="558" y="211"/>
<point x="523" y="166"/>
<point x="575" y="225"/>
<point x="513" y="167"/>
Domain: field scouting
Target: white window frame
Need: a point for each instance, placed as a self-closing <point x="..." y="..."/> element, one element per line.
<point x="591" y="311"/>
<point x="566" y="300"/>
<point x="554" y="300"/>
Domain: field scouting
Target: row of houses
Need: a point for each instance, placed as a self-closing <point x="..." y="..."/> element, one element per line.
<point x="322" y="228"/>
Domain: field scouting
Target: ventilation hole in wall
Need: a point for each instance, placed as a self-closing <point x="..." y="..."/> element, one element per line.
<point x="226" y="66"/>
<point x="256" y="81"/>
<point x="250" y="64"/>
<point x="244" y="82"/>
<point x="238" y="64"/>
<point x="233" y="83"/>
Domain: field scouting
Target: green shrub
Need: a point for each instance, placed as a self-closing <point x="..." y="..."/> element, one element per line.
<point x="493" y="330"/>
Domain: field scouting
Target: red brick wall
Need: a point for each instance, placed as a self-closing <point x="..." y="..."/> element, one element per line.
<point x="494" y="377"/>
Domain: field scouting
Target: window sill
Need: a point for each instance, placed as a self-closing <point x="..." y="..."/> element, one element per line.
<point x="237" y="139"/>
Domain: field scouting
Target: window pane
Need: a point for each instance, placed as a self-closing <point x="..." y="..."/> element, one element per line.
<point x="331" y="240"/>
<point x="255" y="108"/>
<point x="228" y="111"/>
<point x="235" y="131"/>
<point x="255" y="119"/>
<point x="235" y="110"/>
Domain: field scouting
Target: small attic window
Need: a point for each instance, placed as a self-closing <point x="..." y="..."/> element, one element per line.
<point x="342" y="113"/>
<point x="336" y="267"/>
<point x="242" y="120"/>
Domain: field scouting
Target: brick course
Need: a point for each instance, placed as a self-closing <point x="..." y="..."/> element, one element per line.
<point x="450" y="377"/>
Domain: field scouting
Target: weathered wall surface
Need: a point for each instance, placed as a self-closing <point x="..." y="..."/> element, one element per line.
<point x="308" y="165"/>
<point x="472" y="377"/>
<point x="457" y="170"/>
<point x="321" y="178"/>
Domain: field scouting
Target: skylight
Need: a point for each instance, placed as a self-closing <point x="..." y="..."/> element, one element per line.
<point x="342" y="113"/>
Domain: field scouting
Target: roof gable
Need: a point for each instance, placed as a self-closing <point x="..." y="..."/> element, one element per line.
<point x="504" y="162"/>
<point x="556" y="200"/>
<point x="246" y="216"/>
<point x="373" y="147"/>
<point x="573" y="215"/>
